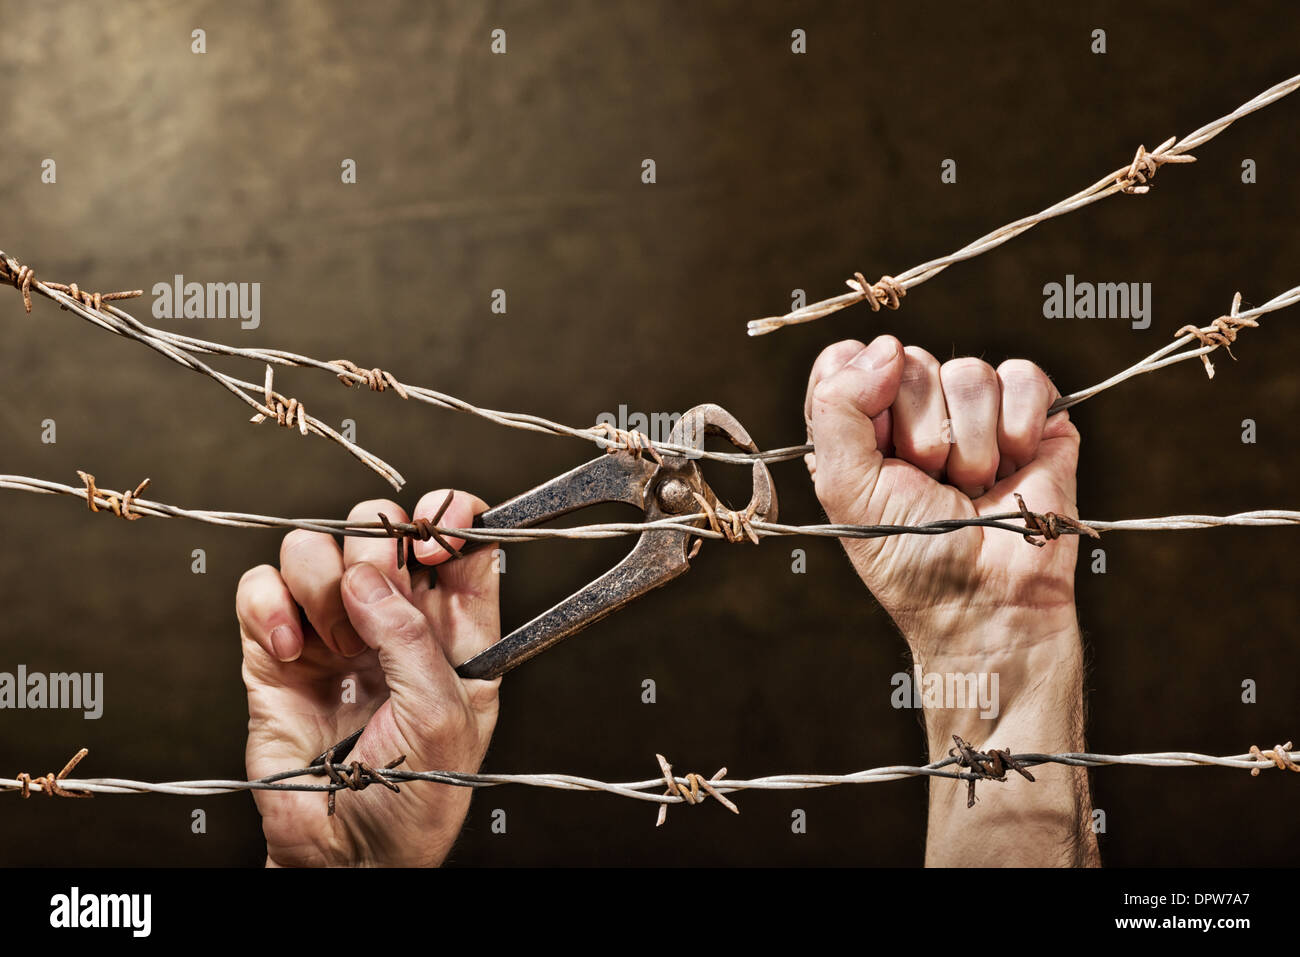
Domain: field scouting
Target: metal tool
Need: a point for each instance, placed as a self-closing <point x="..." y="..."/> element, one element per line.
<point x="661" y="489"/>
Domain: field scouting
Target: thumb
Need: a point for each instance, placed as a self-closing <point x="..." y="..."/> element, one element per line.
<point x="849" y="395"/>
<point x="421" y="680"/>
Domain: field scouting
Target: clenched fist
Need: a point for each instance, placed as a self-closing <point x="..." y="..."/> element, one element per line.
<point x="902" y="439"/>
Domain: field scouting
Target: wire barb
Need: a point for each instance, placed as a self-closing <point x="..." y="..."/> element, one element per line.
<point x="1221" y="332"/>
<point x="22" y="277"/>
<point x="1050" y="525"/>
<point x="887" y="291"/>
<point x="731" y="525"/>
<point x="120" y="504"/>
<point x="421" y="528"/>
<point x="1280" y="756"/>
<point x="625" y="440"/>
<point x="377" y="379"/>
<point x="286" y="412"/>
<point x="1145" y="165"/>
<point x="49" y="783"/>
<point x="356" y="776"/>
<point x="688" y="789"/>
<point x="991" y="765"/>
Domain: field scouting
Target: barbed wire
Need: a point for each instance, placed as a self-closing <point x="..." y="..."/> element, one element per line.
<point x="99" y="311"/>
<point x="1031" y="525"/>
<point x="1133" y="178"/>
<point x="183" y="350"/>
<point x="290" y="412"/>
<point x="1221" y="332"/>
<point x="966" y="764"/>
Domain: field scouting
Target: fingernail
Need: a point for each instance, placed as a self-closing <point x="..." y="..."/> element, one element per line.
<point x="285" y="643"/>
<point x="879" y="354"/>
<point x="368" y="584"/>
<point x="346" y="639"/>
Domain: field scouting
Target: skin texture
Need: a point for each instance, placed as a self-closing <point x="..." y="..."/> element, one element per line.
<point x="330" y="613"/>
<point x="902" y="439"/>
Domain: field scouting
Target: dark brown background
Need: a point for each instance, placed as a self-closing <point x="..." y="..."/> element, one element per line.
<point x="521" y="171"/>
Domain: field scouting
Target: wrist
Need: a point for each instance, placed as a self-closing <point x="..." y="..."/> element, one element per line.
<point x="1015" y="673"/>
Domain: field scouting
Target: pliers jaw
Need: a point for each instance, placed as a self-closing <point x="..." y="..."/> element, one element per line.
<point x="665" y="489"/>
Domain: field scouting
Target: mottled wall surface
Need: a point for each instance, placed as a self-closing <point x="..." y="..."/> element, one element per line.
<point x="522" y="172"/>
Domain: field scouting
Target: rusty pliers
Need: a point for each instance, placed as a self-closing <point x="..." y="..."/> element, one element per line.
<point x="663" y="487"/>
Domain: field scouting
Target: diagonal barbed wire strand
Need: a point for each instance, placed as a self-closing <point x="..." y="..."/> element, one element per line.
<point x="123" y="324"/>
<point x="101" y="311"/>
<point x="1132" y="178"/>
<point x="679" y="789"/>
<point x="181" y="349"/>
<point x="1163" y="357"/>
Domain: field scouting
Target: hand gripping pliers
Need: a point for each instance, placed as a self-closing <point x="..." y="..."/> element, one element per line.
<point x="663" y="485"/>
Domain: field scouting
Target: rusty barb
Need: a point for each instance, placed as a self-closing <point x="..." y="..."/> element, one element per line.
<point x="991" y="765"/>
<point x="1221" y="332"/>
<point x="1049" y="525"/>
<point x="377" y="379"/>
<point x="1280" y="756"/>
<point x="625" y="440"/>
<point x="49" y="783"/>
<point x="21" y="278"/>
<point x="689" y="789"/>
<point x="356" y="776"/>
<point x="1145" y="165"/>
<point x="120" y="504"/>
<point x="887" y="291"/>
<point x="421" y="528"/>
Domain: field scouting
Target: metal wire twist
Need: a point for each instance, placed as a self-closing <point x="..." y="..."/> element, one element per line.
<point x="681" y="789"/>
<point x="1133" y="178"/>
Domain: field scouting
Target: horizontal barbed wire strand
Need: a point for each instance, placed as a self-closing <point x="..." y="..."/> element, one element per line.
<point x="106" y="500"/>
<point x="1131" y="177"/>
<point x="646" y="790"/>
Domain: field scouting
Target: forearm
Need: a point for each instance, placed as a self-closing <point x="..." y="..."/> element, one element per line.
<point x="1032" y="659"/>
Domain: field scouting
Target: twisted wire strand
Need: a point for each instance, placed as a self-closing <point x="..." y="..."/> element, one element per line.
<point x="275" y="406"/>
<point x="183" y="350"/>
<point x="179" y="348"/>
<point x="1281" y="757"/>
<point x="1024" y="523"/>
<point x="1164" y="356"/>
<point x="1132" y="178"/>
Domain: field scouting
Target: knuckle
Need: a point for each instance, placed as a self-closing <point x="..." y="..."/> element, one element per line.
<point x="257" y="598"/>
<point x="295" y="542"/>
<point x="251" y="577"/>
<point x="403" y="620"/>
<point x="918" y="365"/>
<point x="834" y="356"/>
<point x="967" y="369"/>
<point x="1022" y="377"/>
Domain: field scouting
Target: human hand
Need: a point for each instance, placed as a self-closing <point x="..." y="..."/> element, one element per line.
<point x="890" y="425"/>
<point x="901" y="440"/>
<point x="399" y="640"/>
